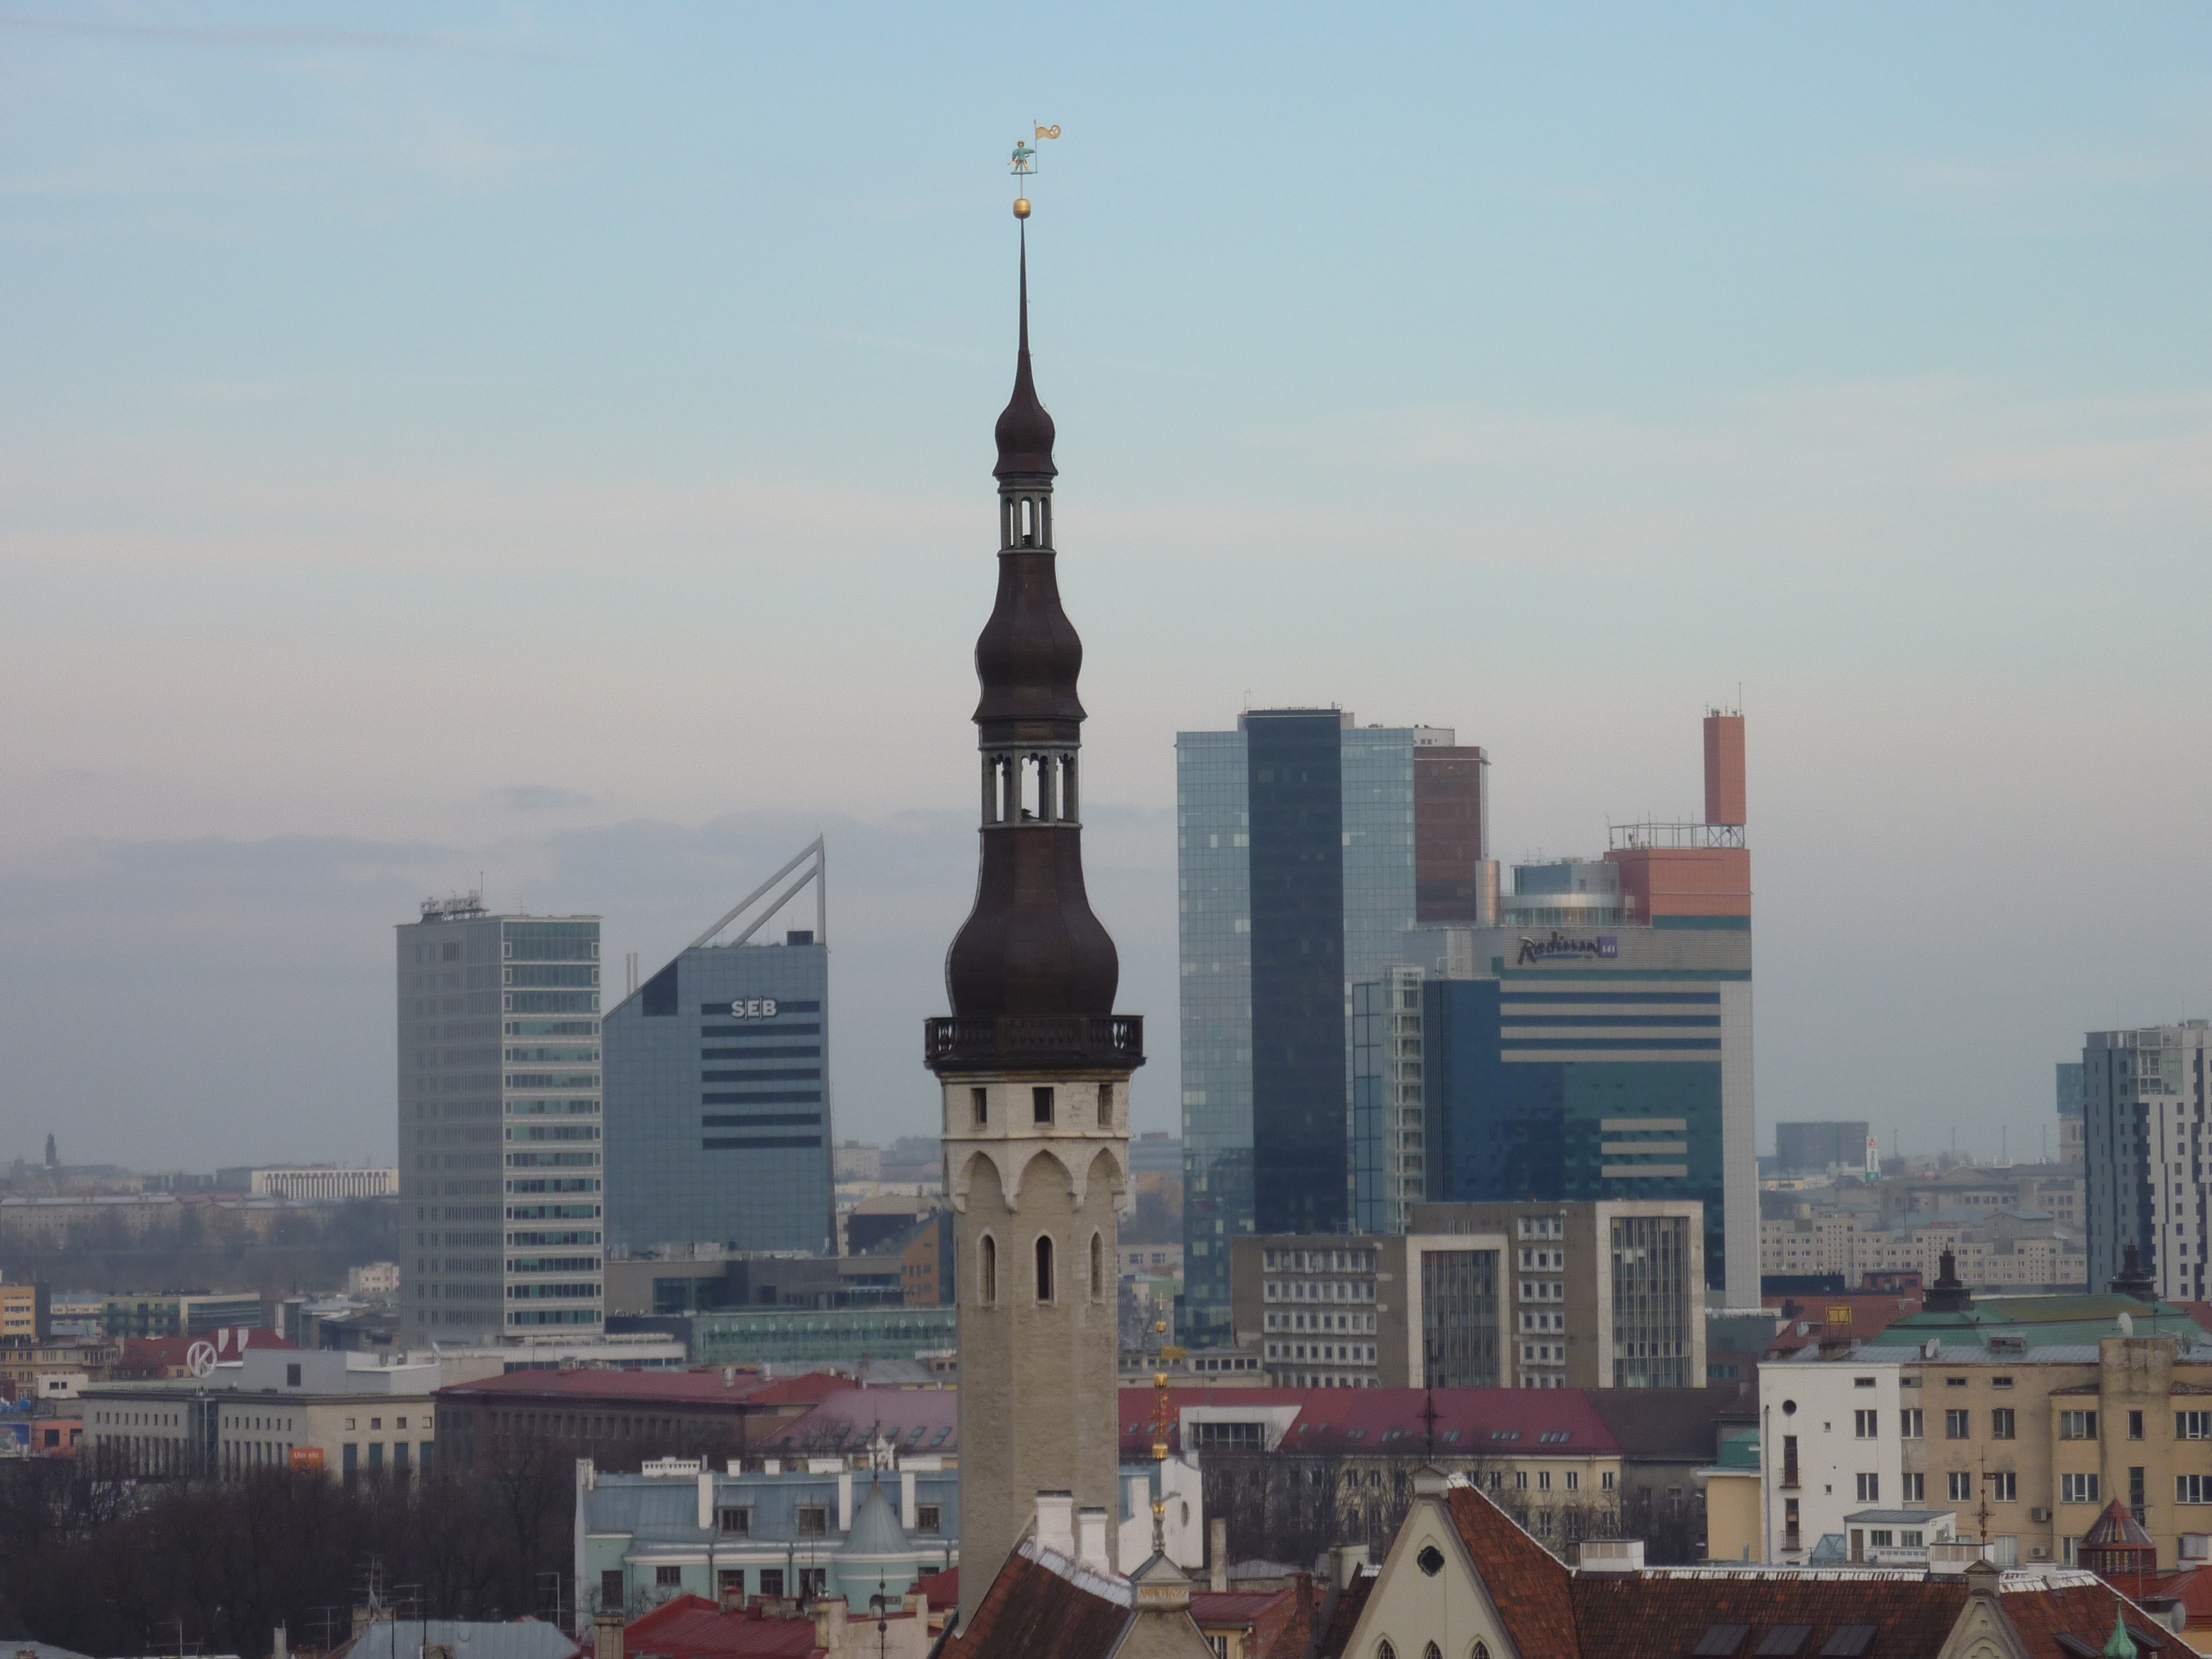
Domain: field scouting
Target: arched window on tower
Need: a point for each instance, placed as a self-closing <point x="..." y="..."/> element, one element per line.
<point x="989" y="1279"/>
<point x="1097" y="1268"/>
<point x="1044" y="1268"/>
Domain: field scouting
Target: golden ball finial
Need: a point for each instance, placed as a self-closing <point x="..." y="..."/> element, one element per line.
<point x="1021" y="207"/>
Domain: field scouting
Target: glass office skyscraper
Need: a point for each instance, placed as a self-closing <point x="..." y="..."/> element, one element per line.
<point x="499" y="1125"/>
<point x="1308" y="844"/>
<point x="718" y="1086"/>
<point x="718" y="1102"/>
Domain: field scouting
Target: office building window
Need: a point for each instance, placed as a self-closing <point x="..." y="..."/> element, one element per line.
<point x="2135" y="1425"/>
<point x="1959" y="1486"/>
<point x="2192" y="1488"/>
<point x="2004" y="1487"/>
<point x="1865" y="1424"/>
<point x="2077" y="1425"/>
<point x="1909" y="1423"/>
<point x="1869" y="1488"/>
<point x="2000" y="1423"/>
<point x="1954" y="1425"/>
<point x="2192" y="1425"/>
<point x="611" y="1589"/>
<point x="1916" y="1488"/>
<point x="668" y="1577"/>
<point x="2077" y="1489"/>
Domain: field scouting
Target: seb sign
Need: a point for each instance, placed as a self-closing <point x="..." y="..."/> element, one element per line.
<point x="756" y="1008"/>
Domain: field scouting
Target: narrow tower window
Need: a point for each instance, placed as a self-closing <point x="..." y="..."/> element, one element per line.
<point x="1097" y="1268"/>
<point x="980" y="1100"/>
<point x="990" y="1270"/>
<point x="1105" y="1105"/>
<point x="1040" y="1103"/>
<point x="1044" y="1267"/>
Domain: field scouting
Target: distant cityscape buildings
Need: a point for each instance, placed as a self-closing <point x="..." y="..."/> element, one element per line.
<point x="1307" y="845"/>
<point x="500" y="1181"/>
<point x="1817" y="1148"/>
<point x="717" y="1115"/>
<point x="1583" y="1035"/>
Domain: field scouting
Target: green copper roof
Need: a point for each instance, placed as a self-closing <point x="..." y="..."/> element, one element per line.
<point x="2122" y="1646"/>
<point x="2042" y="1322"/>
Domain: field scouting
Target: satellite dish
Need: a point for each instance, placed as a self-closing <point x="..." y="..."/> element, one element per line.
<point x="199" y="1359"/>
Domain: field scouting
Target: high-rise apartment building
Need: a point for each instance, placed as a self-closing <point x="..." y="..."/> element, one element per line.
<point x="718" y="1127"/>
<point x="1307" y="845"/>
<point x="500" y="1139"/>
<point x="2072" y="1092"/>
<point x="2144" y="1095"/>
<point x="1595" y="1043"/>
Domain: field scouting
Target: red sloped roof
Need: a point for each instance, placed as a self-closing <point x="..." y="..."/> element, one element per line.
<point x="692" y="1627"/>
<point x="943" y="1589"/>
<point x="701" y="1387"/>
<point x="1469" y="1421"/>
<point x="1233" y="1607"/>
<point x="806" y="1387"/>
<point x="1531" y="1587"/>
<point x="1032" y="1611"/>
<point x="1660" y="1614"/>
<point x="2084" y="1612"/>
<point x="844" y="1417"/>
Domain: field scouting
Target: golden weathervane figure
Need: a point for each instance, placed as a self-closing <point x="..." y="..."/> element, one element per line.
<point x="1024" y="164"/>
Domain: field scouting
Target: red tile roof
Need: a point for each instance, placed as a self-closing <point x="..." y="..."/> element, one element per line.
<point x="1035" y="1609"/>
<point x="1220" y="1607"/>
<point x="703" y="1386"/>
<point x="692" y="1627"/>
<point x="846" y="1417"/>
<point x="943" y="1589"/>
<point x="1531" y="1587"/>
<point x="1388" y="1421"/>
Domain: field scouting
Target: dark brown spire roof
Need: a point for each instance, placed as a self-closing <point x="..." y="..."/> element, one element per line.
<point x="1025" y="431"/>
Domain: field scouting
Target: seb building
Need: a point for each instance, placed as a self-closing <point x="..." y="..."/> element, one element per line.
<point x="717" y="1090"/>
<point x="1597" y="1045"/>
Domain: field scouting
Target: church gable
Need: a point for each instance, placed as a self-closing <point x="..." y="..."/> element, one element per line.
<point x="1428" y="1601"/>
<point x="1983" y="1633"/>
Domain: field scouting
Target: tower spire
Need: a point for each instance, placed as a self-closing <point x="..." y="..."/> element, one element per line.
<point x="1033" y="1063"/>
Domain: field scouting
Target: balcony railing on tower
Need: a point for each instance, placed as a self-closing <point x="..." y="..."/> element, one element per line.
<point x="1109" y="1039"/>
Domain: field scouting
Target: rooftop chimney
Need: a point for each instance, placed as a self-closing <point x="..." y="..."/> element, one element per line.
<point x="1055" y="1521"/>
<point x="1216" y="1553"/>
<point x="1090" y="1539"/>
<point x="607" y="1636"/>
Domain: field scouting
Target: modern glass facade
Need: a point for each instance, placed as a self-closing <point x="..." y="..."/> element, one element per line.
<point x="1459" y="1319"/>
<point x="1653" y="1302"/>
<point x="1612" y="1066"/>
<point x="500" y="1137"/>
<point x="1298" y="869"/>
<point x="718" y="1102"/>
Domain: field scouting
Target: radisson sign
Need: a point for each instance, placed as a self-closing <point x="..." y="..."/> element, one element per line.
<point x="1561" y="948"/>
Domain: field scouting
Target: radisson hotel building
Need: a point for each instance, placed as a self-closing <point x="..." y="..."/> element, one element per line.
<point x="500" y="1179"/>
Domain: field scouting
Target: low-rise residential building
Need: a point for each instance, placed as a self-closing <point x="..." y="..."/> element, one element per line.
<point x="1294" y="1472"/>
<point x="348" y="1414"/>
<point x="28" y="1367"/>
<point x="23" y="1312"/>
<point x="2020" y="1416"/>
<point x="801" y="1529"/>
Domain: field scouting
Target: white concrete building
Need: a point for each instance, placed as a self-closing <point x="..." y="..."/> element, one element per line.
<point x="1831" y="1446"/>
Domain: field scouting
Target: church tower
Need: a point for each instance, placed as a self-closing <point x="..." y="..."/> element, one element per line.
<point x="1033" y="1063"/>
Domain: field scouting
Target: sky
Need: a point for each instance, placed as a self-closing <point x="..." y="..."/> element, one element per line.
<point x="549" y="447"/>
